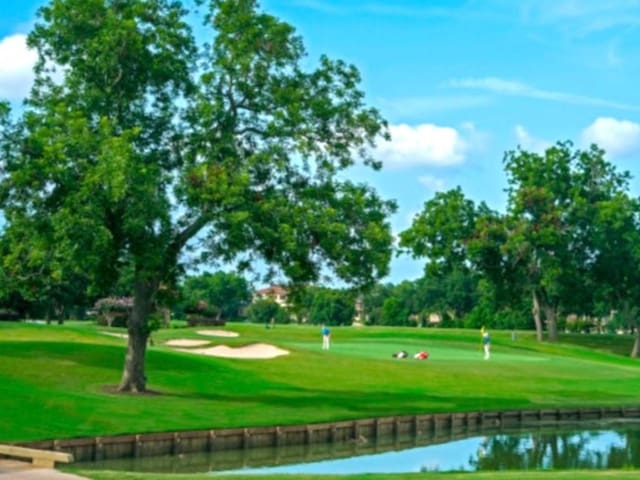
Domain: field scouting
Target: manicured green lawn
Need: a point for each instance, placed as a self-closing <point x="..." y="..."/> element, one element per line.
<point x="56" y="379"/>
<point x="57" y="382"/>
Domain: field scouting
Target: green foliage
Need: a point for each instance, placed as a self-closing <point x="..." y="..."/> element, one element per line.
<point x="394" y="312"/>
<point x="152" y="143"/>
<point x="441" y="230"/>
<point x="8" y="314"/>
<point x="332" y="307"/>
<point x="154" y="322"/>
<point x="492" y="312"/>
<point x="225" y="294"/>
<point x="266" y="311"/>
<point x="373" y="300"/>
<point x="568" y="243"/>
<point x="553" y="201"/>
<point x="452" y="295"/>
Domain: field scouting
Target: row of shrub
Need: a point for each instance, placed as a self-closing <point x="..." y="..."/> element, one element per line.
<point x="8" y="315"/>
<point x="114" y="311"/>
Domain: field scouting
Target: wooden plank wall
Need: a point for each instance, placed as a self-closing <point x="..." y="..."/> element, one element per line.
<point x="428" y="428"/>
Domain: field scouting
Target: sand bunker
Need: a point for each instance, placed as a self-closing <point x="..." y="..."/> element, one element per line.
<point x="255" y="351"/>
<point x="114" y="334"/>
<point x="185" y="342"/>
<point x="217" y="333"/>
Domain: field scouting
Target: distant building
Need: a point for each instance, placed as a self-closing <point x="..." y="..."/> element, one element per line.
<point x="276" y="293"/>
<point x="280" y="295"/>
<point x="359" y="317"/>
<point x="589" y="324"/>
<point x="426" y="320"/>
<point x="435" y="319"/>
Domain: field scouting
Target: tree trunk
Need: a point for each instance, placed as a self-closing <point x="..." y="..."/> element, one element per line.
<point x="635" y="351"/>
<point x="630" y="316"/>
<point x="60" y="314"/>
<point x="552" y="323"/>
<point x="535" y="310"/>
<point x="166" y="317"/>
<point x="133" y="376"/>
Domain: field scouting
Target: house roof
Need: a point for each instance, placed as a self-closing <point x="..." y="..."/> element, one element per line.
<point x="272" y="290"/>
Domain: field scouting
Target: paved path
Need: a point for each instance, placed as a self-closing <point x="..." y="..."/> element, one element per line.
<point x="15" y="470"/>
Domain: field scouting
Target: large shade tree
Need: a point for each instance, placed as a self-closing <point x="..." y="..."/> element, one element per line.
<point x="141" y="149"/>
<point x="615" y="276"/>
<point x="553" y="210"/>
<point x="441" y="230"/>
<point x="566" y="209"/>
<point x="442" y="233"/>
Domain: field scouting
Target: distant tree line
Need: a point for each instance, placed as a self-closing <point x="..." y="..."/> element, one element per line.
<point x="567" y="245"/>
<point x="568" y="242"/>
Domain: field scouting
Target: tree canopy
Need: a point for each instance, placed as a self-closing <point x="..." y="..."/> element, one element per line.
<point x="225" y="294"/>
<point x="141" y="149"/>
<point x="568" y="239"/>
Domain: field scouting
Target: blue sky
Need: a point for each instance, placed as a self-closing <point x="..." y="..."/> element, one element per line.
<point x="460" y="81"/>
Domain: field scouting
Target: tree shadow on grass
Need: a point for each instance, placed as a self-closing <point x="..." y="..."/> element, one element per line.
<point x="356" y="403"/>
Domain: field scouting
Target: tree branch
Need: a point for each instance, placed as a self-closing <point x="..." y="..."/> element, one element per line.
<point x="180" y="240"/>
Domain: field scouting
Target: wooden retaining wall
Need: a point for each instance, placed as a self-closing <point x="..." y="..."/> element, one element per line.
<point x="378" y="431"/>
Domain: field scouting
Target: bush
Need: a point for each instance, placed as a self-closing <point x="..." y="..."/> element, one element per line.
<point x="194" y="320"/>
<point x="267" y="311"/>
<point x="201" y="308"/>
<point x="581" y="325"/>
<point x="113" y="311"/>
<point x="7" y="314"/>
<point x="202" y="314"/>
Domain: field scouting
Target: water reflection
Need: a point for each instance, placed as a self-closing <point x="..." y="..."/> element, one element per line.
<point x="594" y="446"/>
<point x="573" y="450"/>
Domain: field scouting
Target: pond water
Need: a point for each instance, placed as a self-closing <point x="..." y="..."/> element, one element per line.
<point x="604" y="445"/>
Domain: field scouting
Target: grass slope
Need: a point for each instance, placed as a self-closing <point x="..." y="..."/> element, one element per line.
<point x="55" y="378"/>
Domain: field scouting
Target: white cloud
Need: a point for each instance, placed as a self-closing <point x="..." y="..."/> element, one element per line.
<point x="321" y="6"/>
<point x="518" y="89"/>
<point x="420" y="106"/>
<point x="618" y="138"/>
<point x="613" y="57"/>
<point x="582" y="17"/>
<point x="377" y="8"/>
<point x="432" y="183"/>
<point x="425" y="144"/>
<point x="528" y="142"/>
<point x="16" y="67"/>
